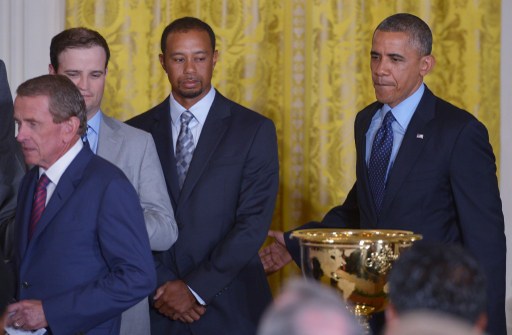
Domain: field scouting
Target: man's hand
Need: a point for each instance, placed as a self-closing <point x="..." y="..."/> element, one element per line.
<point x="174" y="300"/>
<point x="27" y="315"/>
<point x="275" y="256"/>
<point x="191" y="315"/>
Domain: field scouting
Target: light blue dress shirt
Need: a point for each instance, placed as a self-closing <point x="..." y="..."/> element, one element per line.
<point x="403" y="113"/>
<point x="200" y="111"/>
<point x="93" y="131"/>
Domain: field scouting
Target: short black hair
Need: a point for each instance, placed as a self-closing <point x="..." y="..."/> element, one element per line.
<point x="185" y="24"/>
<point x="438" y="277"/>
<point x="418" y="31"/>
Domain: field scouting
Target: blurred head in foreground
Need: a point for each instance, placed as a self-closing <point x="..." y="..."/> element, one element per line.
<point x="308" y="308"/>
<point x="438" y="278"/>
<point x="430" y="323"/>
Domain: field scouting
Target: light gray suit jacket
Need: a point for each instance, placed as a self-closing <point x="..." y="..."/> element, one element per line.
<point x="134" y="152"/>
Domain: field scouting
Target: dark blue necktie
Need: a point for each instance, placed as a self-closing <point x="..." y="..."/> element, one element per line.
<point x="87" y="136"/>
<point x="379" y="159"/>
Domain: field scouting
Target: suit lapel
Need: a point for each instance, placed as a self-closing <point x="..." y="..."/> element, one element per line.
<point x="361" y="159"/>
<point x="418" y="133"/>
<point x="110" y="139"/>
<point x="161" y="129"/>
<point x="67" y="184"/>
<point x="23" y="216"/>
<point x="214" y="128"/>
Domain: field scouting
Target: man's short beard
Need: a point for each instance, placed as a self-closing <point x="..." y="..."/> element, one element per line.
<point x="191" y="95"/>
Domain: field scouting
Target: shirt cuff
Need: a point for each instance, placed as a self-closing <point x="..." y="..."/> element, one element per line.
<point x="198" y="298"/>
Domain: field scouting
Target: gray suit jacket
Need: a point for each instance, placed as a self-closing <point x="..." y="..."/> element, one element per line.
<point x="134" y="152"/>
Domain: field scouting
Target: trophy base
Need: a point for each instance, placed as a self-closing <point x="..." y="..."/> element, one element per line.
<point x="364" y="321"/>
<point x="362" y="313"/>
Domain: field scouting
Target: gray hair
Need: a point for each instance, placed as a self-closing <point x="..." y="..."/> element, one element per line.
<point x="64" y="98"/>
<point x="302" y="298"/>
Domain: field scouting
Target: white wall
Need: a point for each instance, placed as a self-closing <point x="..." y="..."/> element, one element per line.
<point x="26" y="28"/>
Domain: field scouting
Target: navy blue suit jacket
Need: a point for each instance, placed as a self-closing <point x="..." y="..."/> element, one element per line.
<point x="89" y="257"/>
<point x="223" y="213"/>
<point x="442" y="185"/>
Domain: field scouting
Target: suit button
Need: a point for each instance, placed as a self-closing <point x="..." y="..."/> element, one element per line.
<point x="25" y="284"/>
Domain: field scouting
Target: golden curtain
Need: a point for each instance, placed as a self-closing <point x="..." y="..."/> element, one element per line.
<point x="304" y="64"/>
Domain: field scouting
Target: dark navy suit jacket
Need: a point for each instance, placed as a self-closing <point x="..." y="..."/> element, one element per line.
<point x="223" y="213"/>
<point x="12" y="167"/>
<point x="89" y="257"/>
<point x="442" y="185"/>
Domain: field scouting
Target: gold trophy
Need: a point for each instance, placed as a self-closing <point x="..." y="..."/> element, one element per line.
<point x="355" y="262"/>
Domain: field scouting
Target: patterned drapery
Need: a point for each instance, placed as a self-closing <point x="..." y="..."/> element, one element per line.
<point x="304" y="64"/>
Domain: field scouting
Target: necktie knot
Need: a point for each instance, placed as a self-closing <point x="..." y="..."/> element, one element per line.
<point x="87" y="135"/>
<point x="388" y="119"/>
<point x="185" y="118"/>
<point x="43" y="181"/>
<point x="84" y="135"/>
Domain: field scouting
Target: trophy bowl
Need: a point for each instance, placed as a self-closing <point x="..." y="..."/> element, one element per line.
<point x="355" y="262"/>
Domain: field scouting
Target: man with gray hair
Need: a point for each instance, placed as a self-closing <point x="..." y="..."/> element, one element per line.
<point x="82" y="252"/>
<point x="306" y="307"/>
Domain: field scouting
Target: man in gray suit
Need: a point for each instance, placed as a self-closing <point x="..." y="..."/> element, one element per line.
<point x="12" y="167"/>
<point x="82" y="55"/>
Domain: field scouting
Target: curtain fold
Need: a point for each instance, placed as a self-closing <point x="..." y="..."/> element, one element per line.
<point x="304" y="64"/>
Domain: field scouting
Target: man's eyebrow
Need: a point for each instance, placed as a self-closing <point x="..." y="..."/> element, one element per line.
<point x="199" y="52"/>
<point x="395" y="55"/>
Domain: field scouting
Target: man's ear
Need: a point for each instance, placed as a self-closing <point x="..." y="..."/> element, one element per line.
<point x="70" y="128"/>
<point x="215" y="57"/>
<point x="51" y="70"/>
<point x="162" y="61"/>
<point x="427" y="64"/>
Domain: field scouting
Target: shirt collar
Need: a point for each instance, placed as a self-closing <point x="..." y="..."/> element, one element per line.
<point x="200" y="109"/>
<point x="58" y="168"/>
<point x="94" y="122"/>
<point x="404" y="111"/>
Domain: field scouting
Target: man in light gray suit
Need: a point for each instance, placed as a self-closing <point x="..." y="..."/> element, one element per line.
<point x="82" y="55"/>
<point x="12" y="167"/>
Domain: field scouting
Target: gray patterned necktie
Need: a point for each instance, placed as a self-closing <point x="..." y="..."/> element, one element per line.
<point x="184" y="147"/>
<point x="379" y="159"/>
